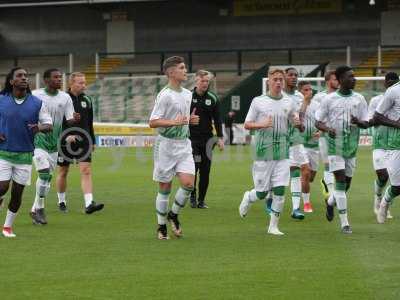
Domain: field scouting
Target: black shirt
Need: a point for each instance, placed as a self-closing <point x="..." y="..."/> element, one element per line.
<point x="83" y="106"/>
<point x="207" y="108"/>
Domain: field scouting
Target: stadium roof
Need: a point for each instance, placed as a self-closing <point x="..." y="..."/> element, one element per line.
<point x="27" y="3"/>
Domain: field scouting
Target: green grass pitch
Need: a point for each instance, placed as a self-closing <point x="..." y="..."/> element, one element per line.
<point x="115" y="254"/>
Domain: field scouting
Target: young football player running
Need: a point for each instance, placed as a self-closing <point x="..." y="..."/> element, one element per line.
<point x="172" y="150"/>
<point x="269" y="116"/>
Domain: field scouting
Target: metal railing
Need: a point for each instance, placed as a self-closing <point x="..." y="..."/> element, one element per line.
<point x="288" y="57"/>
<point x="16" y="60"/>
<point x="37" y="82"/>
<point x="238" y="61"/>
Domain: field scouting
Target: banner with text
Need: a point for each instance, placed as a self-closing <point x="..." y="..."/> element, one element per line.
<point x="285" y="7"/>
<point x="124" y="141"/>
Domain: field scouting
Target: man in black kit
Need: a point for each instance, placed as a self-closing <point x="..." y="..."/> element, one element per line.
<point x="77" y="144"/>
<point x="206" y="105"/>
<point x="229" y="119"/>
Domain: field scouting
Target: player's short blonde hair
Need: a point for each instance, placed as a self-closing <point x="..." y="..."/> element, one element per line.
<point x="329" y="74"/>
<point x="75" y="75"/>
<point x="202" y="73"/>
<point x="273" y="71"/>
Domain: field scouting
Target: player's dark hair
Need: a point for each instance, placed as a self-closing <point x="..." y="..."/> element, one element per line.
<point x="47" y="73"/>
<point x="172" y="62"/>
<point x="290" y="68"/>
<point x="302" y="83"/>
<point x="391" y="76"/>
<point x="8" y="88"/>
<point x="341" y="70"/>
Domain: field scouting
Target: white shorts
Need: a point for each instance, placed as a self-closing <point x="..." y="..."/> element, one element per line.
<point x="323" y="149"/>
<point x="19" y="173"/>
<point x="297" y="156"/>
<point x="171" y="157"/>
<point x="380" y="158"/>
<point x="393" y="167"/>
<point x="337" y="162"/>
<point x="270" y="174"/>
<point x="313" y="158"/>
<point x="45" y="160"/>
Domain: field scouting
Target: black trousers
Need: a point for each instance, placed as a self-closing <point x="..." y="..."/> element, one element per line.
<point x="229" y="132"/>
<point x="203" y="166"/>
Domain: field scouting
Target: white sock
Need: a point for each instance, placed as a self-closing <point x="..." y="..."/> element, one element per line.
<point x="306" y="198"/>
<point x="343" y="219"/>
<point x="277" y="204"/>
<point x="162" y="208"/>
<point x="42" y="189"/>
<point x="341" y="202"/>
<point x="253" y="196"/>
<point x="273" y="223"/>
<point x="88" y="199"/>
<point x="181" y="197"/>
<point x="329" y="180"/>
<point x="377" y="201"/>
<point x="61" y="198"/>
<point x="38" y="203"/>
<point x="295" y="188"/>
<point x="10" y="218"/>
<point x="378" y="194"/>
<point x="276" y="207"/>
<point x="331" y="199"/>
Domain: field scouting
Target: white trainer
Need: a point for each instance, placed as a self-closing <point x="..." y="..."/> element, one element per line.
<point x="7" y="232"/>
<point x="389" y="215"/>
<point x="274" y="230"/>
<point x="382" y="213"/>
<point x="244" y="205"/>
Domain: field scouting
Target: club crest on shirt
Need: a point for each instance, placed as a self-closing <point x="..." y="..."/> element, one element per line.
<point x="208" y="102"/>
<point x="194" y="100"/>
<point x="83" y="104"/>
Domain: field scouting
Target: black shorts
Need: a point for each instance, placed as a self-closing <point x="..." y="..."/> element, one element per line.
<point x="199" y="149"/>
<point x="76" y="153"/>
